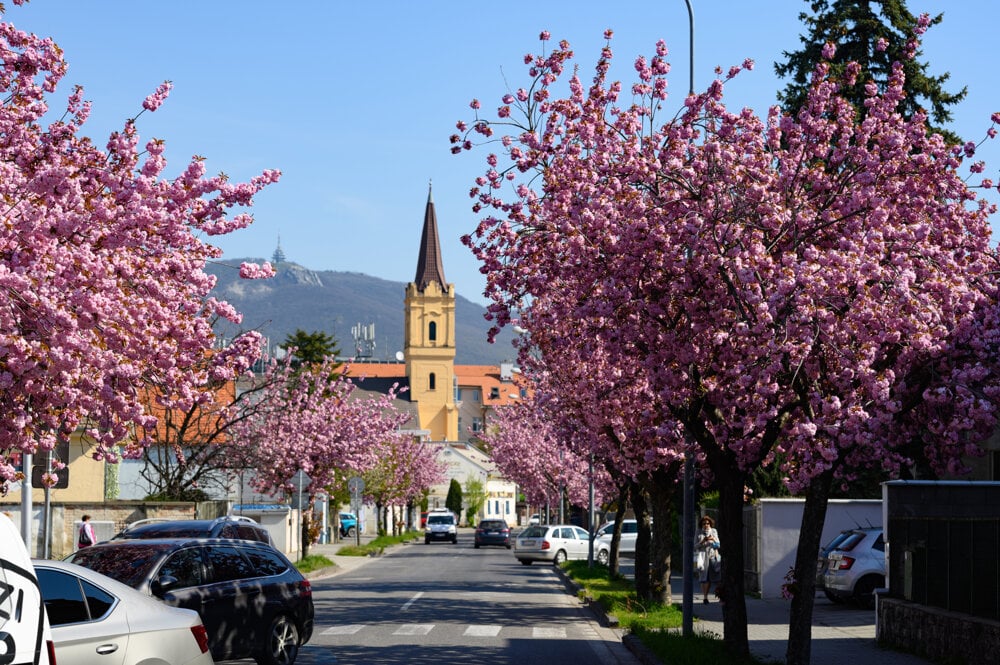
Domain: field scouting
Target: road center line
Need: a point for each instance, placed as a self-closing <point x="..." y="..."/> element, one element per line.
<point x="407" y="604"/>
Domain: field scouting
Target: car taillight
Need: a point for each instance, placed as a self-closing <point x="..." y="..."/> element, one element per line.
<point x="51" y="647"/>
<point x="305" y="589"/>
<point x="504" y="530"/>
<point x="200" y="636"/>
<point x="845" y="563"/>
<point x="546" y="545"/>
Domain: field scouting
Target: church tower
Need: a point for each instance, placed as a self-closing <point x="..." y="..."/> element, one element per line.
<point x="429" y="336"/>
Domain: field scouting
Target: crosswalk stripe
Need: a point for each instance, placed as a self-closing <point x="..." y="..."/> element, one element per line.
<point x="349" y="629"/>
<point x="482" y="631"/>
<point x="471" y="630"/>
<point x="548" y="633"/>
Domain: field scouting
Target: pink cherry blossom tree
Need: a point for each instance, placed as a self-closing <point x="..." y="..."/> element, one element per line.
<point x="405" y="467"/>
<point x="311" y="419"/>
<point x="101" y="268"/>
<point x="814" y="286"/>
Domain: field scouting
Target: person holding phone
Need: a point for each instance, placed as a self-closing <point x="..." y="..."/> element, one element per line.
<point x="707" y="542"/>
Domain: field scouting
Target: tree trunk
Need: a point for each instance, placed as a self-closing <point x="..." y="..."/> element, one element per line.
<point x="642" y="538"/>
<point x="661" y="488"/>
<point x="616" y="536"/>
<point x="730" y="527"/>
<point x="803" y="586"/>
<point x="304" y="535"/>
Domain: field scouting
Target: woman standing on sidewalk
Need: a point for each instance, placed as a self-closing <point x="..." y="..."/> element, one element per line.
<point x="707" y="548"/>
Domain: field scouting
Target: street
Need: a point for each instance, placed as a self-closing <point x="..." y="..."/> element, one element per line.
<point x="456" y="604"/>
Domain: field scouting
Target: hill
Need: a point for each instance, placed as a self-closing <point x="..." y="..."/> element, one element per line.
<point x="335" y="302"/>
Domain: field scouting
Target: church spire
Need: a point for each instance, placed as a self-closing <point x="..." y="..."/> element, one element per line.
<point x="430" y="267"/>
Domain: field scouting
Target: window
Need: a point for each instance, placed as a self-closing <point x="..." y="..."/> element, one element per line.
<point x="432" y="331"/>
<point x="475" y="395"/>
<point x="266" y="563"/>
<point x="69" y="599"/>
<point x="229" y="564"/>
<point x="186" y="566"/>
<point x="477" y="424"/>
<point x="494" y="393"/>
<point x="432" y="381"/>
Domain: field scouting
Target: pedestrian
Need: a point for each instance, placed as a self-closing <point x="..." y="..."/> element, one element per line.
<point x="707" y="549"/>
<point x="85" y="535"/>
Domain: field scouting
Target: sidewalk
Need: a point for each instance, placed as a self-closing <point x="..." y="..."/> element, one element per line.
<point x="840" y="634"/>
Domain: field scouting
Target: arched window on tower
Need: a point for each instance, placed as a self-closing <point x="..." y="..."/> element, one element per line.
<point x="432" y="331"/>
<point x="432" y="382"/>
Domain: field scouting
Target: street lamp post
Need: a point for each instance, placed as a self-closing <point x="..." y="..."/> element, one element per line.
<point x="687" y="521"/>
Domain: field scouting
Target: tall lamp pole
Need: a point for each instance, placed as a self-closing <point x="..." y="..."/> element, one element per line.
<point x="687" y="566"/>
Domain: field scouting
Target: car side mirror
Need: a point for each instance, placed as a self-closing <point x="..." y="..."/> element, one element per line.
<point x="162" y="585"/>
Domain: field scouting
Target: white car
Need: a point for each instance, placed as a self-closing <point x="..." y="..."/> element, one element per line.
<point x="25" y="636"/>
<point x="626" y="545"/>
<point x="99" y="621"/>
<point x="551" y="542"/>
<point x="441" y="525"/>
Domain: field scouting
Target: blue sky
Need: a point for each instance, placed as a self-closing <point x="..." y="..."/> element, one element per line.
<point x="354" y="101"/>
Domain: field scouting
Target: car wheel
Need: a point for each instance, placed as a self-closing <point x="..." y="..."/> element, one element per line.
<point x="476" y="546"/>
<point x="525" y="562"/>
<point x="351" y="532"/>
<point x="507" y="545"/>
<point x="602" y="557"/>
<point x="427" y="541"/>
<point x="282" y="646"/>
<point x="560" y="557"/>
<point x="454" y="540"/>
<point x="864" y="591"/>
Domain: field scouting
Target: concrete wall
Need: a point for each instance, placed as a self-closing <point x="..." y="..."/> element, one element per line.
<point x="779" y="521"/>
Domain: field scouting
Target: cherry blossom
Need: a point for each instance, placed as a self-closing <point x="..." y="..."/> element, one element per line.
<point x="101" y="267"/>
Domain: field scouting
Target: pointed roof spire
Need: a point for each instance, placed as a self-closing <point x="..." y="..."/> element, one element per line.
<point x="430" y="267"/>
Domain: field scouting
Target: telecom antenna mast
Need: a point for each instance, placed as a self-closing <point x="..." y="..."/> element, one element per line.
<point x="364" y="340"/>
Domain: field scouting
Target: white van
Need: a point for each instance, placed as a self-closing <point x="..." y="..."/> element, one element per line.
<point x="25" y="636"/>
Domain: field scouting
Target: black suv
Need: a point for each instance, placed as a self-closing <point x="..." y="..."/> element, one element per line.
<point x="238" y="528"/>
<point x="252" y="600"/>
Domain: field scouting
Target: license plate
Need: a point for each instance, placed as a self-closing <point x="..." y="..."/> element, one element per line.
<point x="527" y="543"/>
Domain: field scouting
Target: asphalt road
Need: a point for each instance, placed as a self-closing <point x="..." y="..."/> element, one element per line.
<point x="444" y="603"/>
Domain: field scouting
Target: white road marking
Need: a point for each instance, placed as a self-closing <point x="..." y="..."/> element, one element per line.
<point x="482" y="631"/>
<point x="548" y="633"/>
<point x="414" y="629"/>
<point x="349" y="629"/>
<point x="407" y="604"/>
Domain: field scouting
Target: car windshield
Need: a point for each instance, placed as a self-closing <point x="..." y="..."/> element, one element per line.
<point x="129" y="565"/>
<point x="492" y="524"/>
<point x="439" y="519"/>
<point x="534" y="532"/>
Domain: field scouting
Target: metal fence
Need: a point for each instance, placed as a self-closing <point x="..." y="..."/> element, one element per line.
<point x="943" y="545"/>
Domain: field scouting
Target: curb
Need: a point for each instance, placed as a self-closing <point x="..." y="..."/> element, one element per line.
<point x="631" y="642"/>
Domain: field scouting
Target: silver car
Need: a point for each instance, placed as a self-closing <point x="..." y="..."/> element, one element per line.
<point x="99" y="621"/>
<point x="855" y="567"/>
<point x="626" y="545"/>
<point x="554" y="543"/>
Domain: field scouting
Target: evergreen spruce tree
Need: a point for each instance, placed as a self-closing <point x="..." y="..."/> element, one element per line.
<point x="453" y="502"/>
<point x="856" y="26"/>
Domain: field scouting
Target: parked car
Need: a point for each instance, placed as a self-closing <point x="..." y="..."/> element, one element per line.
<point x="253" y="601"/>
<point x="232" y="526"/>
<point x="348" y="525"/>
<point x="441" y="525"/>
<point x="626" y="545"/>
<point x="855" y="567"/>
<point x="25" y="634"/>
<point x="93" y="616"/>
<point x="535" y="519"/>
<point x="823" y="552"/>
<point x="493" y="532"/>
<point x="551" y="542"/>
